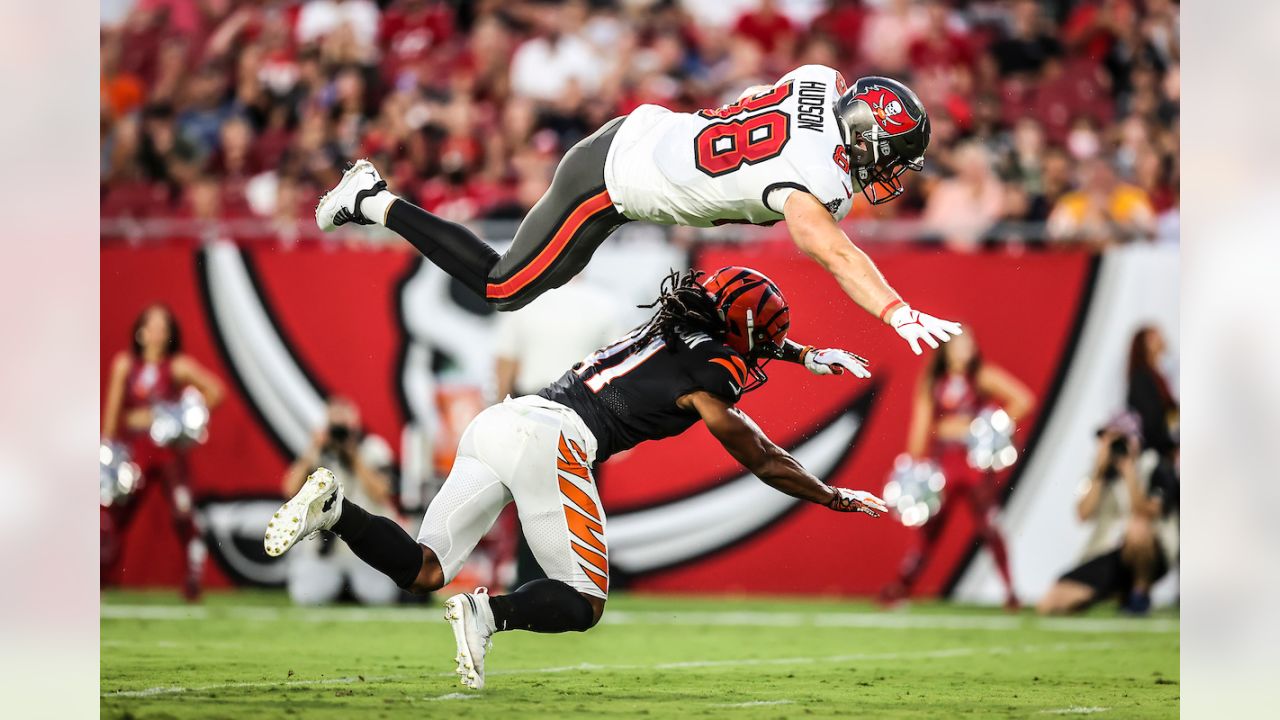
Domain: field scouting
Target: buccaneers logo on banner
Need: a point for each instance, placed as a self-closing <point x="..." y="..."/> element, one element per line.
<point x="682" y="515"/>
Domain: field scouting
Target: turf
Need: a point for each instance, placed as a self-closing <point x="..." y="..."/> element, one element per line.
<point x="250" y="655"/>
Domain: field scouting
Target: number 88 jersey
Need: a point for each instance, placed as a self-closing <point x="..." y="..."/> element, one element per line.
<point x="737" y="163"/>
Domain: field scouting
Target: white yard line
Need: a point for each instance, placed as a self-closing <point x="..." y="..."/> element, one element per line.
<point x="753" y="703"/>
<point x="872" y="620"/>
<point x="591" y="667"/>
<point x="1075" y="710"/>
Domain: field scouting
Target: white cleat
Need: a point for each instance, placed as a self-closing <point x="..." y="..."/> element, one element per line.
<point x="472" y="622"/>
<point x="316" y="507"/>
<point x="341" y="205"/>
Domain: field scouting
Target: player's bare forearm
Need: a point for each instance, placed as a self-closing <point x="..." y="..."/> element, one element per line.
<point x="860" y="279"/>
<point x="816" y="233"/>
<point x="744" y="440"/>
<point x="784" y="473"/>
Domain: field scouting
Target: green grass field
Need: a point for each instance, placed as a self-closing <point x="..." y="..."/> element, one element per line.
<point x="251" y="655"/>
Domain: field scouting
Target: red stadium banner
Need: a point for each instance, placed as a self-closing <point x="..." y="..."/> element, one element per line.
<point x="682" y="517"/>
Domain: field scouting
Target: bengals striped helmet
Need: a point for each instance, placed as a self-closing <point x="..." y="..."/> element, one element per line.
<point x="755" y="315"/>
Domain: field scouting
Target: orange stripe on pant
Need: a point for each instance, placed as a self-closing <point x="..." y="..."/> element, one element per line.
<point x="554" y="249"/>
<point x="577" y="470"/>
<point x="583" y="500"/>
<point x="585" y="529"/>
<point x="592" y="557"/>
<point x="601" y="581"/>
<point x="570" y="462"/>
<point x="589" y="531"/>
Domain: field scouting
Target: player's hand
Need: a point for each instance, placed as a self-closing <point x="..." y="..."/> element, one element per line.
<point x="833" y="361"/>
<point x="847" y="500"/>
<point x="914" y="326"/>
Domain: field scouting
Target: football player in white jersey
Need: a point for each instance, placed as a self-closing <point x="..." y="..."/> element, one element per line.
<point x="797" y="151"/>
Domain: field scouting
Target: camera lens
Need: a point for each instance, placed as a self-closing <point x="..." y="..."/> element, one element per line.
<point x="339" y="433"/>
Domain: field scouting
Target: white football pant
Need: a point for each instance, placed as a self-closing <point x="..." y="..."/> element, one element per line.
<point x="538" y="453"/>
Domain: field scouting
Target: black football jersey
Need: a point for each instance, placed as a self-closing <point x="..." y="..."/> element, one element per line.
<point x="627" y="394"/>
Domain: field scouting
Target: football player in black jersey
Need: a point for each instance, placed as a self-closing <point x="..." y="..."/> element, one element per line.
<point x="705" y="345"/>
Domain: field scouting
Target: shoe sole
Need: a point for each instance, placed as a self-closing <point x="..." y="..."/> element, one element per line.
<point x="350" y="174"/>
<point x="456" y="614"/>
<point x="285" y="527"/>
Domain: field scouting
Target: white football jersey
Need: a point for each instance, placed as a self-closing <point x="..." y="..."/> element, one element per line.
<point x="737" y="163"/>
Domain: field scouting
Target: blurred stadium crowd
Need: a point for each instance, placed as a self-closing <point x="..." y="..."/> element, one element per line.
<point x="1053" y="120"/>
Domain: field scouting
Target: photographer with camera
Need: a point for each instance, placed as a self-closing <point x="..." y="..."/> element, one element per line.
<point x="320" y="568"/>
<point x="1131" y="497"/>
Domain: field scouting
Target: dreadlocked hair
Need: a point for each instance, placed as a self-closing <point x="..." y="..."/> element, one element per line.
<point x="682" y="303"/>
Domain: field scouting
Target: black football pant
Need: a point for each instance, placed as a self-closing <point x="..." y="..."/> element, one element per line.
<point x="553" y="244"/>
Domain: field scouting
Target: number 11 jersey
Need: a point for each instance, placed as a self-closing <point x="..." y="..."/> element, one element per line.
<point x="629" y="392"/>
<point x="737" y="163"/>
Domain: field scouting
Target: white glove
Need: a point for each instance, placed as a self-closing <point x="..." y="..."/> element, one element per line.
<point x="916" y="326"/>
<point x="847" y="500"/>
<point x="833" y="361"/>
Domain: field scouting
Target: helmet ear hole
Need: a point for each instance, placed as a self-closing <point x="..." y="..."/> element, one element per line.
<point x="860" y="154"/>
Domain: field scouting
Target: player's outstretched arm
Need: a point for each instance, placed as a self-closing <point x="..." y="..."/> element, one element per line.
<point x="773" y="465"/>
<point x="829" y="361"/>
<point x="816" y="233"/>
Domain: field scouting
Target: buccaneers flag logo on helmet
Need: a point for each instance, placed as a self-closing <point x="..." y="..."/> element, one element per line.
<point x="889" y="111"/>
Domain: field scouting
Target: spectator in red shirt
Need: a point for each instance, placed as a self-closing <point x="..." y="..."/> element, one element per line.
<point x="842" y="22"/>
<point x="413" y="31"/>
<point x="885" y="37"/>
<point x="938" y="45"/>
<point x="233" y="158"/>
<point x="1093" y="25"/>
<point x="234" y="164"/>
<point x="770" y="29"/>
<point x="140" y="40"/>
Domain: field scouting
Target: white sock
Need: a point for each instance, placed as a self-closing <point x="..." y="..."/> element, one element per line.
<point x="375" y="208"/>
<point x="486" y="612"/>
